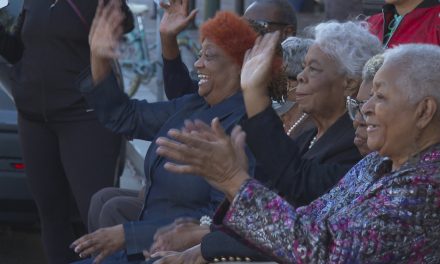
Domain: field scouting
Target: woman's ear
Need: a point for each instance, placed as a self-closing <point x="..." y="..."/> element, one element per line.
<point x="425" y="111"/>
<point x="351" y="87"/>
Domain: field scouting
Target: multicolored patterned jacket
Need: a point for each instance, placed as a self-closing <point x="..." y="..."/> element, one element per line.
<point x="374" y="215"/>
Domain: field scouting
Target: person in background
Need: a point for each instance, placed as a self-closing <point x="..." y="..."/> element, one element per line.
<point x="224" y="40"/>
<point x="384" y="210"/>
<point x="407" y="21"/>
<point x="354" y="105"/>
<point x="295" y="121"/>
<point x="65" y="148"/>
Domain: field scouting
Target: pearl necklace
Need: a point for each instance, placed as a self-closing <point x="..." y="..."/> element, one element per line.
<point x="297" y="123"/>
<point x="314" y="139"/>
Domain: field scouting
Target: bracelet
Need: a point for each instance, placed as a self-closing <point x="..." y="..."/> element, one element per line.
<point x="205" y="220"/>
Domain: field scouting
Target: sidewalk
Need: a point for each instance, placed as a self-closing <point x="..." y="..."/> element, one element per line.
<point x="136" y="149"/>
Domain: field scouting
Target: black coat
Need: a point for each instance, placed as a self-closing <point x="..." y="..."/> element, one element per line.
<point x="288" y="166"/>
<point x="49" y="49"/>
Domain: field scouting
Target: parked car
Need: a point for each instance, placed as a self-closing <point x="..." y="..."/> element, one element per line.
<point x="16" y="203"/>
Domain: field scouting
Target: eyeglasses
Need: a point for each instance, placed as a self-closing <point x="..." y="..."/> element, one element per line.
<point x="262" y="27"/>
<point x="354" y="107"/>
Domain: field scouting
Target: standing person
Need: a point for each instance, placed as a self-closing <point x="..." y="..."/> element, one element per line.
<point x="65" y="149"/>
<point x="407" y="21"/>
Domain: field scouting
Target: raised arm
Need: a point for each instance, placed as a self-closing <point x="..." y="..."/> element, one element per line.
<point x="133" y="118"/>
<point x="177" y="80"/>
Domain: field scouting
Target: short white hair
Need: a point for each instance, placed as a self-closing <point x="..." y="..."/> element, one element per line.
<point x="294" y="51"/>
<point x="419" y="69"/>
<point x="371" y="67"/>
<point x="349" y="43"/>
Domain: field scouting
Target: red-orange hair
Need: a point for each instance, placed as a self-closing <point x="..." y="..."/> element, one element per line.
<point x="231" y="33"/>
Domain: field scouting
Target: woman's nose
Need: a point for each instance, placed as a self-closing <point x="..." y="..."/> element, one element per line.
<point x="367" y="108"/>
<point x="198" y="63"/>
<point x="300" y="78"/>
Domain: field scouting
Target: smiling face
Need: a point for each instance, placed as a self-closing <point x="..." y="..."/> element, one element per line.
<point x="219" y="75"/>
<point x="390" y="117"/>
<point x="360" y="139"/>
<point x="321" y="86"/>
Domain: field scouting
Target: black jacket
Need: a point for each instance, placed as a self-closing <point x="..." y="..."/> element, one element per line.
<point x="297" y="173"/>
<point x="49" y="49"/>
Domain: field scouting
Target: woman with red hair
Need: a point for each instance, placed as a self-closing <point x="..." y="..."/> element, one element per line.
<point x="224" y="39"/>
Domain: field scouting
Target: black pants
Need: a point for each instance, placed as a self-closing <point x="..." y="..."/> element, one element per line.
<point x="113" y="206"/>
<point x="64" y="158"/>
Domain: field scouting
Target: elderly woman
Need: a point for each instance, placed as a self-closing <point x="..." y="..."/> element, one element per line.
<point x="189" y="231"/>
<point x="385" y="210"/>
<point x="224" y="41"/>
<point x="303" y="169"/>
<point x="295" y="121"/>
<point x="355" y="104"/>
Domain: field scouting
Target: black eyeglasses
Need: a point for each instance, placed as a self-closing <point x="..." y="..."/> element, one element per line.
<point x="354" y="107"/>
<point x="262" y="27"/>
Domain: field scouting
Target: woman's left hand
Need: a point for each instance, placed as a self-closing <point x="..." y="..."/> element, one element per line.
<point x="103" y="242"/>
<point x="256" y="73"/>
<point x="207" y="152"/>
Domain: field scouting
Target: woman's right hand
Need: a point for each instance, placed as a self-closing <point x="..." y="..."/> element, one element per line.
<point x="104" y="36"/>
<point x="207" y="152"/>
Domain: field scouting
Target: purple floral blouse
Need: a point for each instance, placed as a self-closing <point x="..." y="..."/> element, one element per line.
<point x="374" y="215"/>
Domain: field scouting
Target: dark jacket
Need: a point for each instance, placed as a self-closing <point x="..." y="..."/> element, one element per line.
<point x="288" y="166"/>
<point x="422" y="25"/>
<point x="168" y="196"/>
<point x="49" y="49"/>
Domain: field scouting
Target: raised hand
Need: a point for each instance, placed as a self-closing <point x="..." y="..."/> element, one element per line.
<point x="207" y="152"/>
<point x="176" y="17"/>
<point x="174" y="21"/>
<point x="104" y="36"/>
<point x="256" y="73"/>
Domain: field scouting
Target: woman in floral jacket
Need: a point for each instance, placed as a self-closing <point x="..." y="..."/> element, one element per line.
<point x="385" y="210"/>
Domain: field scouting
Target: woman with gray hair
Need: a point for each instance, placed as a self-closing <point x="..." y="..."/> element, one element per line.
<point x="355" y="104"/>
<point x="303" y="169"/>
<point x="385" y="209"/>
<point x="295" y="121"/>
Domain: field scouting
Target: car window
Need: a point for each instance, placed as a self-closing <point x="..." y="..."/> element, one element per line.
<point x="6" y="102"/>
